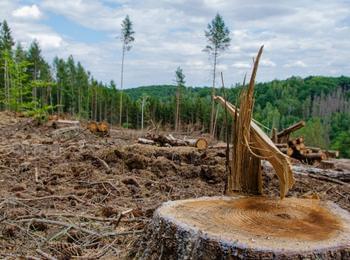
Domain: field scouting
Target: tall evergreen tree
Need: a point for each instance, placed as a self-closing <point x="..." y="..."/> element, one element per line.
<point x="6" y="40"/>
<point x="127" y="39"/>
<point x="6" y="44"/>
<point x="36" y="60"/>
<point x="180" y="82"/>
<point x="217" y="35"/>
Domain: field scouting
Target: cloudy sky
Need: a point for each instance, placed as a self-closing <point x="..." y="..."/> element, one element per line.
<point x="300" y="37"/>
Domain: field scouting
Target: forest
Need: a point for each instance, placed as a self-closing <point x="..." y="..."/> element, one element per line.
<point x="35" y="87"/>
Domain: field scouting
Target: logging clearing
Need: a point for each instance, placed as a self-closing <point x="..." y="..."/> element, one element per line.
<point x="92" y="170"/>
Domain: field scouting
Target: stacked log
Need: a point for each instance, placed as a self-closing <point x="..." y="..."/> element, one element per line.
<point x="297" y="149"/>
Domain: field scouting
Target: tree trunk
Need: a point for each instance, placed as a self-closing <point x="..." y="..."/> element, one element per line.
<point x="121" y="88"/>
<point x="142" y="110"/>
<point x="212" y="95"/>
<point x="7" y="94"/>
<point x="177" y="116"/>
<point x="246" y="228"/>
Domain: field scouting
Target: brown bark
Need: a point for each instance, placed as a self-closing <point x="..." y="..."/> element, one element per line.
<point x="239" y="227"/>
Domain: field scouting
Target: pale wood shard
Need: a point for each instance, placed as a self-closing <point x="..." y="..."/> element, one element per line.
<point x="266" y="148"/>
<point x="250" y="145"/>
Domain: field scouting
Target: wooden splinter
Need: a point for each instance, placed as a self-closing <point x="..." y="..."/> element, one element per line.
<point x="250" y="144"/>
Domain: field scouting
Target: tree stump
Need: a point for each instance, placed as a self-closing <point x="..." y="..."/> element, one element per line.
<point x="247" y="228"/>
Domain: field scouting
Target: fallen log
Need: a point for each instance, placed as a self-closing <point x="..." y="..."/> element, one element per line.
<point x="332" y="153"/>
<point x="316" y="156"/>
<point x="60" y="123"/>
<point x="170" y="140"/>
<point x="145" y="141"/>
<point x="200" y="143"/>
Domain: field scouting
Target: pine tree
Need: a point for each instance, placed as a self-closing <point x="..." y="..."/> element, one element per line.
<point x="6" y="40"/>
<point x="127" y="39"/>
<point x="36" y="60"/>
<point x="180" y="82"/>
<point x="218" y="41"/>
<point x="6" y="44"/>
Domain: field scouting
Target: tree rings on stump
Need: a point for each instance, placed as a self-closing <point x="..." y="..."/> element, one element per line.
<point x="247" y="228"/>
<point x="201" y="143"/>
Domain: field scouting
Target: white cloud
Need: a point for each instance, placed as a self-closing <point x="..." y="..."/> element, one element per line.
<point x="170" y="33"/>
<point x="28" y="12"/>
<point x="241" y="65"/>
<point x="47" y="41"/>
<point x="267" y="63"/>
<point x="298" y="63"/>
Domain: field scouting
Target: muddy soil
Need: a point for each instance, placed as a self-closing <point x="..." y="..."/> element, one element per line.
<point x="73" y="193"/>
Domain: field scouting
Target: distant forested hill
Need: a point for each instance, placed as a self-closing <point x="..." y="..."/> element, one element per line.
<point x="324" y="102"/>
<point x="163" y="92"/>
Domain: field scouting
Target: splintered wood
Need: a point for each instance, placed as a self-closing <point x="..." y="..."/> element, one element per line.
<point x="250" y="144"/>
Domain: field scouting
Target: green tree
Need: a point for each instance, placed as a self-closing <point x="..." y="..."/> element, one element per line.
<point x="36" y="61"/>
<point x="127" y="37"/>
<point x="217" y="35"/>
<point x="6" y="44"/>
<point x="6" y="40"/>
<point x="342" y="143"/>
<point x="180" y="82"/>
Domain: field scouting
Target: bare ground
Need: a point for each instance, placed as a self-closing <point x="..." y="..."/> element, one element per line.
<point x="77" y="194"/>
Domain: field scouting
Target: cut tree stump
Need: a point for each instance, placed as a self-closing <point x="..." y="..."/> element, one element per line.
<point x="247" y="228"/>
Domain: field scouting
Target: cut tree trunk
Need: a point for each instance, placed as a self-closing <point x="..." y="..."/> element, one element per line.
<point x="247" y="228"/>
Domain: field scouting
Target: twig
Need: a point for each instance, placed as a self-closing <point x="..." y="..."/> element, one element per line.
<point x="104" y="164"/>
<point x="112" y="234"/>
<point x="98" y="182"/>
<point x="36" y="174"/>
<point x="105" y="249"/>
<point x="47" y="256"/>
<point x="54" y="197"/>
<point x="59" y="223"/>
<point x="88" y="231"/>
<point x="112" y="220"/>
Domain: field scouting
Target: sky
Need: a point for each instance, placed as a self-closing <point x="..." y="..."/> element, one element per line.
<point x="301" y="38"/>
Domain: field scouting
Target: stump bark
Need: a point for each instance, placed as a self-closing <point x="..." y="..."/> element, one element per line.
<point x="247" y="228"/>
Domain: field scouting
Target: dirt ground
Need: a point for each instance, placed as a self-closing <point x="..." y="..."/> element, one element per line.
<point x="72" y="193"/>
